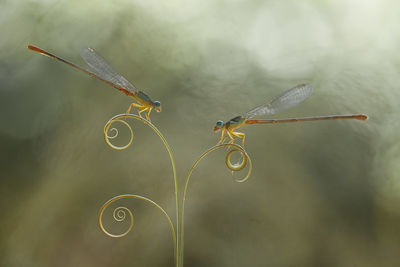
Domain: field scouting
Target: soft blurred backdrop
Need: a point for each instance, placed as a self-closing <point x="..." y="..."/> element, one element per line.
<point x="321" y="193"/>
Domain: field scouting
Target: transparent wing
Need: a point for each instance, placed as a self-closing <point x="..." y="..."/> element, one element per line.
<point x="288" y="99"/>
<point x="100" y="67"/>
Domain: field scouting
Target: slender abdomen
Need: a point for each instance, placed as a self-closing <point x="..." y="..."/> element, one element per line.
<point x="316" y="118"/>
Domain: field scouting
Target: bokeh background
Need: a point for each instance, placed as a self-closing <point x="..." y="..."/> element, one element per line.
<point x="321" y="193"/>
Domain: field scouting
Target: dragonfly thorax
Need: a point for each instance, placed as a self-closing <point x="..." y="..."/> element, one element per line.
<point x="235" y="122"/>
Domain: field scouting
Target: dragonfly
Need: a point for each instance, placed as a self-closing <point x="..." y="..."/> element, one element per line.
<point x="102" y="70"/>
<point x="286" y="100"/>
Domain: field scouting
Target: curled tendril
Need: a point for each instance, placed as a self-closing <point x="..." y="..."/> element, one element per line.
<point x="233" y="167"/>
<point x="245" y="159"/>
<point x="237" y="166"/>
<point x="119" y="214"/>
<point x="107" y="137"/>
<point x="113" y="136"/>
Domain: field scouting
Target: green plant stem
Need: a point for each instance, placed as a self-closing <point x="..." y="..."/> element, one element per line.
<point x="178" y="236"/>
<point x="119" y="118"/>
<point x="231" y="166"/>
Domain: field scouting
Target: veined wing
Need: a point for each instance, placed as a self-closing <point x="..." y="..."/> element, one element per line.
<point x="288" y="99"/>
<point x="104" y="70"/>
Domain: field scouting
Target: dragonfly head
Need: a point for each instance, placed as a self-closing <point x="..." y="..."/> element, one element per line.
<point x="157" y="106"/>
<point x="218" y="126"/>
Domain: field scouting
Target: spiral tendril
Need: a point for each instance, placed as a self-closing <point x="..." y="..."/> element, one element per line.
<point x="108" y="137"/>
<point x="237" y="166"/>
<point x="113" y="136"/>
<point x="119" y="214"/>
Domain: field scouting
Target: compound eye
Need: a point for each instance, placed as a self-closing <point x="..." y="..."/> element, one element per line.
<point x="157" y="104"/>
<point x="220" y="123"/>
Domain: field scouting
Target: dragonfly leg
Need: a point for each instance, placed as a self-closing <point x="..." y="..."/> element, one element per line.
<point x="230" y="134"/>
<point x="240" y="135"/>
<point x="133" y="105"/>
<point x="148" y="113"/>
<point x="140" y="110"/>
<point x="223" y="136"/>
<point x="143" y="109"/>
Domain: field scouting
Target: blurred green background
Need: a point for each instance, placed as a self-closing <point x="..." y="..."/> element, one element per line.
<point x="321" y="193"/>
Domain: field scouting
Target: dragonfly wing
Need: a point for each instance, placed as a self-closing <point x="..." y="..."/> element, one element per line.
<point x="103" y="69"/>
<point x="288" y="99"/>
